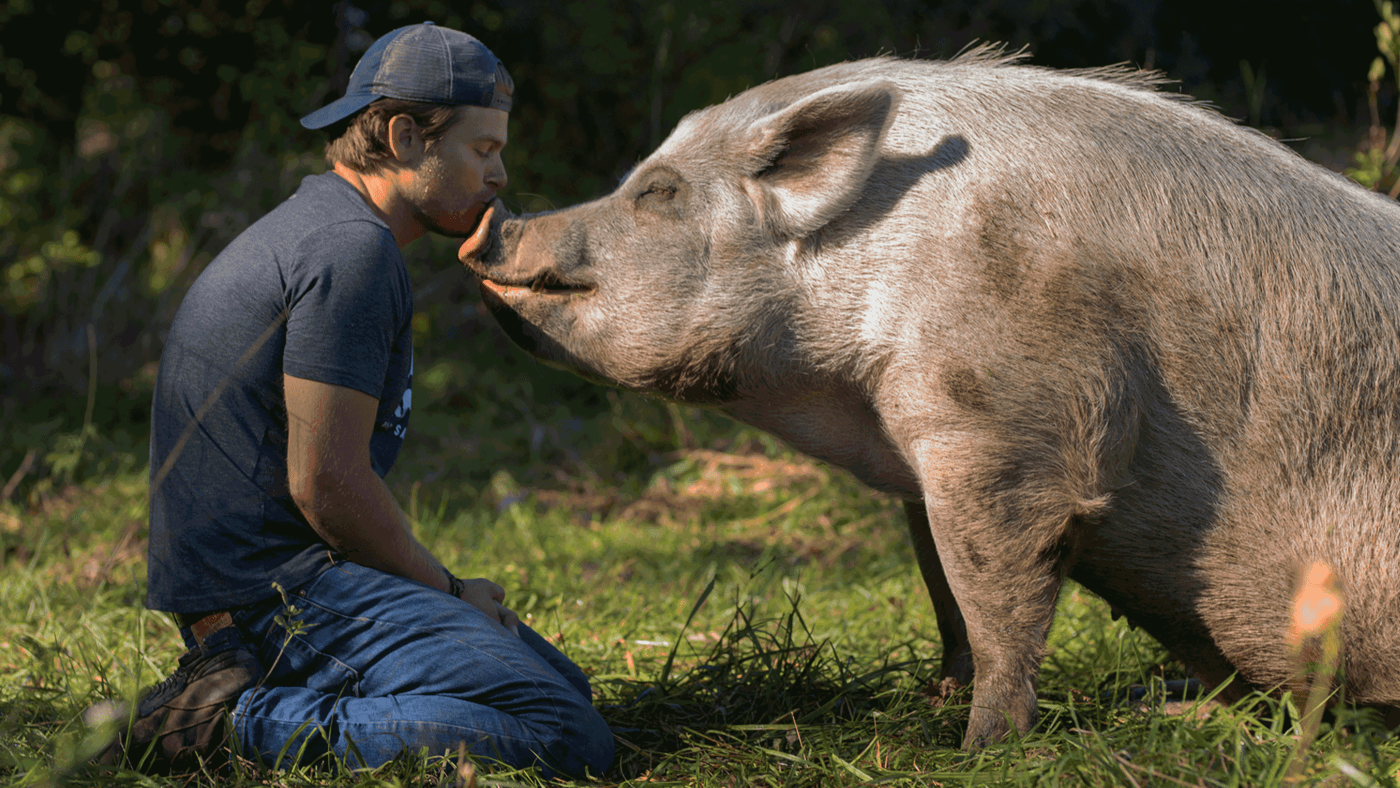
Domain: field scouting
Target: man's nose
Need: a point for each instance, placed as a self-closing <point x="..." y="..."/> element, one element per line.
<point x="496" y="174"/>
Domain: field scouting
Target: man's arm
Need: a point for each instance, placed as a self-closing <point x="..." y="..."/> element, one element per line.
<point x="345" y="501"/>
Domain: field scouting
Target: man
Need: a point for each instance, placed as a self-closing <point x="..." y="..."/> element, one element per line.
<point x="283" y="396"/>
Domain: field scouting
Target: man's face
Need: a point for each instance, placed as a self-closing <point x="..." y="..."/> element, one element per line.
<point x="460" y="173"/>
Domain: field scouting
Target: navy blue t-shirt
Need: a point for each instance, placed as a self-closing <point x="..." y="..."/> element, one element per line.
<point x="315" y="289"/>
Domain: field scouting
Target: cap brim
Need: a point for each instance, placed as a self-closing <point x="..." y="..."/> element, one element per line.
<point x="338" y="110"/>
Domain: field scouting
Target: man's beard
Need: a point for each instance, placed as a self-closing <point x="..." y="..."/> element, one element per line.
<point x="425" y="207"/>
<point x="434" y="226"/>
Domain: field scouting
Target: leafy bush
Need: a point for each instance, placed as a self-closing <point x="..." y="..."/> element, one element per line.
<point x="1376" y="163"/>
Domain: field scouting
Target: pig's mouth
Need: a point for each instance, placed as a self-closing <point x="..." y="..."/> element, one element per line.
<point x="545" y="284"/>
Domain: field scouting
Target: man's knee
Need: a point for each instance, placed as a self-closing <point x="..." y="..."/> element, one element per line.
<point x="584" y="744"/>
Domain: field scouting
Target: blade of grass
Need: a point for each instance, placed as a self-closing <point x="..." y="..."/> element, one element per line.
<point x="665" y="677"/>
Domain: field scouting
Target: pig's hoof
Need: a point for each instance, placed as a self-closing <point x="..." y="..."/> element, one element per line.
<point x="986" y="727"/>
<point x="940" y="692"/>
<point x="981" y="741"/>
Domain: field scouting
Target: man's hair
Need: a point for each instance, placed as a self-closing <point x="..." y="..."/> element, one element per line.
<point x="363" y="146"/>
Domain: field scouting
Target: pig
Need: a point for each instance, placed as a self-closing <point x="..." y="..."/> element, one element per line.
<point x="1082" y="326"/>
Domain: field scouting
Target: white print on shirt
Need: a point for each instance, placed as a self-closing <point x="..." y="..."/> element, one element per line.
<point x="400" y="429"/>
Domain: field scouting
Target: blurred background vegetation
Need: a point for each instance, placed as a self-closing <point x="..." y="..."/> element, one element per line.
<point x="137" y="137"/>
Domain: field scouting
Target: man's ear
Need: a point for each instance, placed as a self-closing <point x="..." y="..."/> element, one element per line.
<point x="405" y="140"/>
<point x="811" y="159"/>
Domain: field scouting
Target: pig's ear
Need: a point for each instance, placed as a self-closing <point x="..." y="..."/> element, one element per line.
<point x="810" y="160"/>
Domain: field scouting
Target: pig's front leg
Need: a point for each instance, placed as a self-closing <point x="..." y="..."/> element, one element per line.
<point x="957" y="653"/>
<point x="997" y="543"/>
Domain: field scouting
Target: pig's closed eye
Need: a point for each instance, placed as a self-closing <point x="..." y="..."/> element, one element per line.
<point x="662" y="193"/>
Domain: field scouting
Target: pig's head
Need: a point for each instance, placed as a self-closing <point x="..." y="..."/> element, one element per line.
<point x="684" y="280"/>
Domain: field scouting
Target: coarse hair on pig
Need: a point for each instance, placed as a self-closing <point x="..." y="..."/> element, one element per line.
<point x="1084" y="327"/>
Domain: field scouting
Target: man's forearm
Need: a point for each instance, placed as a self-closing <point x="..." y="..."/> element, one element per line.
<point x="331" y="479"/>
<point x="358" y="517"/>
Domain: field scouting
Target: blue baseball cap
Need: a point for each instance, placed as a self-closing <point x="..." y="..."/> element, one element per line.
<point x="435" y="65"/>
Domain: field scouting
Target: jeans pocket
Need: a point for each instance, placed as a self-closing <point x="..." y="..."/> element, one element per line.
<point x="308" y="666"/>
<point x="287" y="641"/>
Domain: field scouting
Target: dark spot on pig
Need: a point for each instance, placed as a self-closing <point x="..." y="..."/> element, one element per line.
<point x="572" y="249"/>
<point x="1002" y="476"/>
<point x="1063" y="292"/>
<point x="1002" y="242"/>
<point x="961" y="385"/>
<point x="1081" y="303"/>
<point x="973" y="555"/>
<point x="995" y="489"/>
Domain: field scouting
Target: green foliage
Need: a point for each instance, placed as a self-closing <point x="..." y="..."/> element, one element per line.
<point x="1375" y="165"/>
<point x="109" y="216"/>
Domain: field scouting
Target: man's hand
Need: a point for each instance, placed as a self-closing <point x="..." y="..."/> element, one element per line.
<point x="487" y="597"/>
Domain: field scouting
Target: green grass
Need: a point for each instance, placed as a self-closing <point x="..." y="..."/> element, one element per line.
<point x="748" y="617"/>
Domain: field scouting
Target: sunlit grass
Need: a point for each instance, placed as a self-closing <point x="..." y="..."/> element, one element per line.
<point x="748" y="618"/>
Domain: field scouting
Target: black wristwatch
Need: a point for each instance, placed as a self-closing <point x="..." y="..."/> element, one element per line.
<point x="455" y="586"/>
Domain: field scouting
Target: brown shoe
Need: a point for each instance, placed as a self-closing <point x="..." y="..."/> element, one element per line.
<point x="182" y="719"/>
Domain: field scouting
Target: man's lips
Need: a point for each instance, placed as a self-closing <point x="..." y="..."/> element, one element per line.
<point x="480" y="207"/>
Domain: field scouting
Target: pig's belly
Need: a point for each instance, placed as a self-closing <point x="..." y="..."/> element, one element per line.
<point x="837" y="429"/>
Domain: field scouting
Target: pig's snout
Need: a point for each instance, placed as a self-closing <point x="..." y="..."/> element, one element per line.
<point x="483" y="248"/>
<point x="528" y="258"/>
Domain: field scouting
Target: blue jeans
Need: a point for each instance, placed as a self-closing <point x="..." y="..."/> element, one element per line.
<point x="385" y="665"/>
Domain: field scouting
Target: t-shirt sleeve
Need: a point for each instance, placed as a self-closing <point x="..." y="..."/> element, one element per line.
<point x="348" y="298"/>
